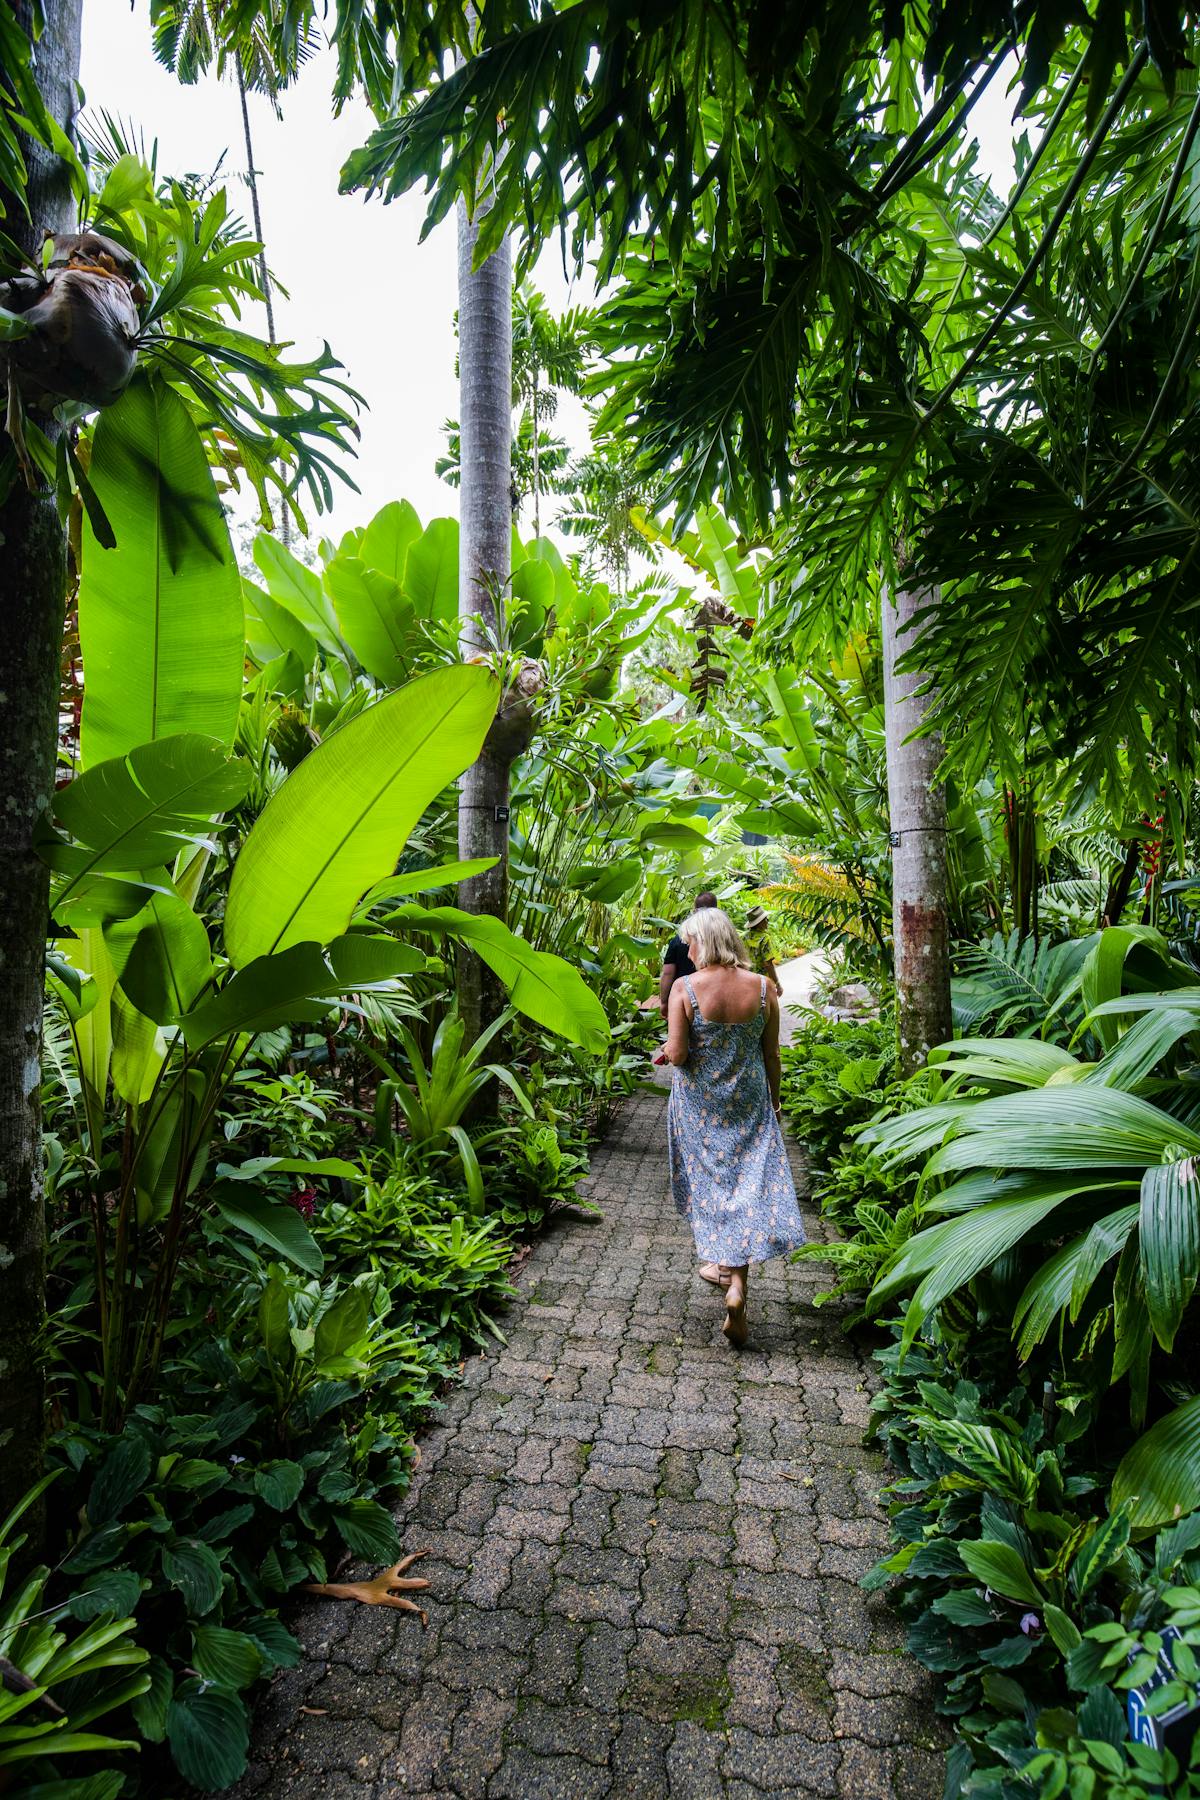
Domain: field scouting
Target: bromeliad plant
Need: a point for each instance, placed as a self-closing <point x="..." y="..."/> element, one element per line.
<point x="441" y="1092"/>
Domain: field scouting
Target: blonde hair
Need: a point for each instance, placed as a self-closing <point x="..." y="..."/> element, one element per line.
<point x="713" y="940"/>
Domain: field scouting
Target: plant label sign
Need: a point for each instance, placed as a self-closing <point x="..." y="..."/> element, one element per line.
<point x="1172" y="1730"/>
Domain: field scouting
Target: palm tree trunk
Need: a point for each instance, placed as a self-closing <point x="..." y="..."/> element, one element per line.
<point x="917" y="810"/>
<point x="32" y="597"/>
<point x="485" y="558"/>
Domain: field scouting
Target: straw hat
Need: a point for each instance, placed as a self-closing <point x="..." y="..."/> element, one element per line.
<point x="756" y="918"/>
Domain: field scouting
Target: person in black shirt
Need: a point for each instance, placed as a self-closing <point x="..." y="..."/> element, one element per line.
<point x="677" y="963"/>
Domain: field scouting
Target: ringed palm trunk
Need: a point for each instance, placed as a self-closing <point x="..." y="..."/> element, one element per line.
<point x="32" y="597"/>
<point x="485" y="559"/>
<point x="917" y="812"/>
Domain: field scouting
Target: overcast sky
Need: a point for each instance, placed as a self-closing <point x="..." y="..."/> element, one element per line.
<point x="356" y="273"/>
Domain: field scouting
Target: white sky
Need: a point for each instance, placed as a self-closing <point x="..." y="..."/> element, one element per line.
<point x="356" y="273"/>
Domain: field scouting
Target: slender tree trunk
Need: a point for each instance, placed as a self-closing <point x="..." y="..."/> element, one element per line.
<point x="917" y="809"/>
<point x="537" y="465"/>
<point x="32" y="596"/>
<point x="485" y="559"/>
<point x="264" y="274"/>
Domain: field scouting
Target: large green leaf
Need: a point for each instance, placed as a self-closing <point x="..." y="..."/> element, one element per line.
<point x="298" y="588"/>
<point x="340" y="821"/>
<point x="169" y="962"/>
<point x="1078" y="1126"/>
<point x="375" y="618"/>
<point x="1104" y="971"/>
<point x="1160" y="1476"/>
<point x="1000" y="1567"/>
<point x="269" y="1222"/>
<point x="1011" y="1062"/>
<point x="160" y="615"/>
<point x="431" y="571"/>
<point x="1142" y="1047"/>
<point x="543" y="987"/>
<point x="209" y="1733"/>
<point x="135" y="812"/>
<point x="424" y="881"/>
<point x="953" y="1252"/>
<point x="1169" y="1243"/>
<point x="272" y="631"/>
<point x="297" y="984"/>
<point x="386" y="541"/>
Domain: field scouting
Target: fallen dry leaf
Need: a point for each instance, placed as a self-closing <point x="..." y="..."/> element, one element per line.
<point x="387" y="1589"/>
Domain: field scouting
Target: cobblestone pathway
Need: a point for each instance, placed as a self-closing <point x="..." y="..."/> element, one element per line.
<point x="644" y="1547"/>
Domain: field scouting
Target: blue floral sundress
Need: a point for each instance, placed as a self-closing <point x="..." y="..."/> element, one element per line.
<point x="729" y="1169"/>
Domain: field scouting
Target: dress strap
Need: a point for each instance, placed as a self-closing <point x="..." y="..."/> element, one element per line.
<point x="691" y="994"/>
<point x="762" y="995"/>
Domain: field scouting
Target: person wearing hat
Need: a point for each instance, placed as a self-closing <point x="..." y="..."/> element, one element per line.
<point x="759" y="946"/>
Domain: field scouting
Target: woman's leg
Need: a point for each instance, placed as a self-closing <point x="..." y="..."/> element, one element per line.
<point x="735" y="1305"/>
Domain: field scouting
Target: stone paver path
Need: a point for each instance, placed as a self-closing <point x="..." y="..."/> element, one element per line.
<point x="645" y="1550"/>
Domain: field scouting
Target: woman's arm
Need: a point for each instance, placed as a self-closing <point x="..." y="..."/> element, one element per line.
<point x="770" y="1048"/>
<point x="679" y="1035"/>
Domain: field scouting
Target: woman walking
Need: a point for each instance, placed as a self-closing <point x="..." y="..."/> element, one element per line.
<point x="729" y="1170"/>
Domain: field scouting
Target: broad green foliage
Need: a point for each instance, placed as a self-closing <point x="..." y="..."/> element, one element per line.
<point x="76" y="1650"/>
<point x="160" y="613"/>
<point x="336" y="826"/>
<point x="546" y="988"/>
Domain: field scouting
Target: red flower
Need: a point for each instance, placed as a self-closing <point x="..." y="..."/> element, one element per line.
<point x="305" y="1201"/>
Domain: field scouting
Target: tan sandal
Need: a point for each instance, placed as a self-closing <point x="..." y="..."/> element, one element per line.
<point x="715" y="1273"/>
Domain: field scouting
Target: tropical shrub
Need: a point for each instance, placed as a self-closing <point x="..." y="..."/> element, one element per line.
<point x="1060" y="1169"/>
<point x="69" y="1665"/>
<point x="835" y="1077"/>
<point x="202" y="1517"/>
<point x="437" y="1100"/>
<point x="1024" y="1591"/>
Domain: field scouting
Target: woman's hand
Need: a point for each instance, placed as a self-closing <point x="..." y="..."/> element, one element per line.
<point x="661" y="1058"/>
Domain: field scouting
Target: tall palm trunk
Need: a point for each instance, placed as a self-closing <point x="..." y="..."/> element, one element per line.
<point x="32" y="595"/>
<point x="917" y="811"/>
<point x="485" y="559"/>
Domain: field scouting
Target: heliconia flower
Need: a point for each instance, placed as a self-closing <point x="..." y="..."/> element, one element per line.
<point x="305" y="1201"/>
<point x="1030" y="1623"/>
